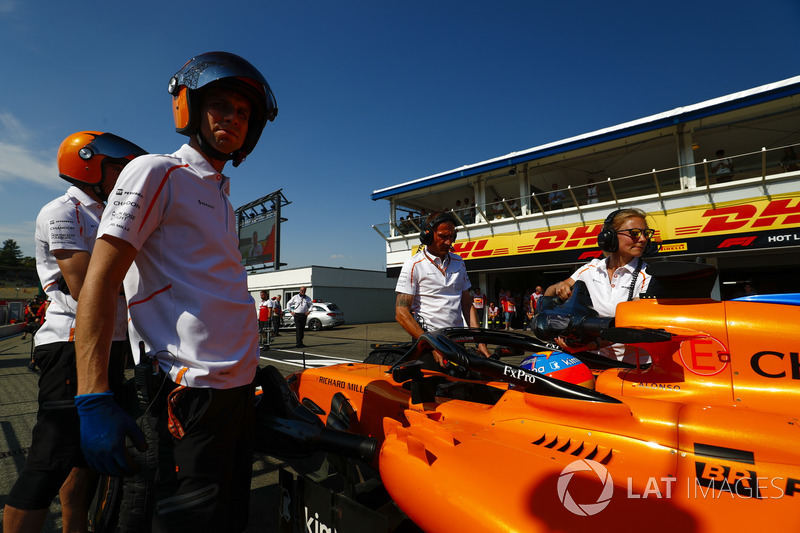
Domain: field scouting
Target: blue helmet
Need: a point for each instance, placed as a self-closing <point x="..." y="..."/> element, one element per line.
<point x="231" y="72"/>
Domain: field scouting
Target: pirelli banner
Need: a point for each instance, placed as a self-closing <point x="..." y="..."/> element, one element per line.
<point x="758" y="224"/>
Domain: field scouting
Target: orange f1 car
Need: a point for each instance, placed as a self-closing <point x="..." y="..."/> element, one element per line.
<point x="704" y="438"/>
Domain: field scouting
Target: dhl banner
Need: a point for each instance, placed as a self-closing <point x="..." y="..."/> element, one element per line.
<point x="758" y="223"/>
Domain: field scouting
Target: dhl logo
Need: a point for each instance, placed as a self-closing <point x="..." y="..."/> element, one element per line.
<point x="783" y="212"/>
<point x="775" y="213"/>
<point x="544" y="241"/>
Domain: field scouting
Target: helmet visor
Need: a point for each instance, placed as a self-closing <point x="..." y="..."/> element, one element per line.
<point x="109" y="145"/>
<point x="215" y="66"/>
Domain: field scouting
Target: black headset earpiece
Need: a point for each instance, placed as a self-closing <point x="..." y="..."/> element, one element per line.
<point x="426" y="235"/>
<point x="607" y="238"/>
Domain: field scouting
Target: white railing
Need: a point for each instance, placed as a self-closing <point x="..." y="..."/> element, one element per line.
<point x="686" y="178"/>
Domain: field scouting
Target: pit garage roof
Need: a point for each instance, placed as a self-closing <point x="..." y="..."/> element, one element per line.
<point x="731" y="102"/>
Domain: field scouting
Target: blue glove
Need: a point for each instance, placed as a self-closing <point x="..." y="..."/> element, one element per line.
<point x="104" y="426"/>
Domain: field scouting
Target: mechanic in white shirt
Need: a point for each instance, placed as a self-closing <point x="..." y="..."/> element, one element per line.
<point x="171" y="235"/>
<point x="433" y="286"/>
<point x="65" y="236"/>
<point x="619" y="277"/>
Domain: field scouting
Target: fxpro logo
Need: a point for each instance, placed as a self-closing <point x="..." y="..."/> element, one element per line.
<point x="585" y="509"/>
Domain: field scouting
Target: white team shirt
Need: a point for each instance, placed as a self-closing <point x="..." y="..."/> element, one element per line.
<point x="436" y="287"/>
<point x="186" y="290"/>
<point x="67" y="223"/>
<point x="299" y="304"/>
<point x="608" y="293"/>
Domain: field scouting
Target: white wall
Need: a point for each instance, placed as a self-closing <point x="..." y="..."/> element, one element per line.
<point x="365" y="296"/>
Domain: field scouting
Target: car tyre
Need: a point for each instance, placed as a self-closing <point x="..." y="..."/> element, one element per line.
<point x="314" y="324"/>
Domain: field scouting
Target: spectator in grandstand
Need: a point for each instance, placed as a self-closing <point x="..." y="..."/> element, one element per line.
<point x="789" y="160"/>
<point x="497" y="209"/>
<point x="469" y="211"/>
<point x="556" y="198"/>
<point x="591" y="192"/>
<point x="722" y="167"/>
<point x="403" y="225"/>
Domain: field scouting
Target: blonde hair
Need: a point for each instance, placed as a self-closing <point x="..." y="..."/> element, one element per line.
<point x="624" y="214"/>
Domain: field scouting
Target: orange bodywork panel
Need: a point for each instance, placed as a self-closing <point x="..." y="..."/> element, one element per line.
<point x="704" y="440"/>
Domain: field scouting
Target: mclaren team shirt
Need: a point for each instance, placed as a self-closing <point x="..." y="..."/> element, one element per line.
<point x="436" y="286"/>
<point x="67" y="223"/>
<point x="186" y="290"/>
<point x="607" y="293"/>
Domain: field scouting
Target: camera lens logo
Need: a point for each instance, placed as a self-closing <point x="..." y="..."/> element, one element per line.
<point x="585" y="509"/>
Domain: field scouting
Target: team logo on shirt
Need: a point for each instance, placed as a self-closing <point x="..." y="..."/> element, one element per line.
<point x="127" y="202"/>
<point x="116" y="215"/>
<point x="120" y="192"/>
<point x="201" y="202"/>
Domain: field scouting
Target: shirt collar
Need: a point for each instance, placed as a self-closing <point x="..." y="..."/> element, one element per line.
<point x="630" y="266"/>
<point x="201" y="165"/>
<point x="441" y="263"/>
<point x="84" y="198"/>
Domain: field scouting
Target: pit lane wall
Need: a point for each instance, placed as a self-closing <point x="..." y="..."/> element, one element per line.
<point x="720" y="220"/>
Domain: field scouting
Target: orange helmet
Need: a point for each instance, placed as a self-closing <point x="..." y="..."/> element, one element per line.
<point x="81" y="155"/>
<point x="233" y="72"/>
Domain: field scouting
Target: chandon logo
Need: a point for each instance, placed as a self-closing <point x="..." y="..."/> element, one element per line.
<point x="585" y="509"/>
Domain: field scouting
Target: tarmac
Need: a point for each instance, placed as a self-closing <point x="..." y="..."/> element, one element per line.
<point x="18" y="406"/>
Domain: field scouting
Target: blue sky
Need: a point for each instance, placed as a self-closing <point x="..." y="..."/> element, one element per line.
<point x="371" y="93"/>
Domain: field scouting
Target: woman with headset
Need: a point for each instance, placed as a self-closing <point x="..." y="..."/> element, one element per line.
<point x="619" y="277"/>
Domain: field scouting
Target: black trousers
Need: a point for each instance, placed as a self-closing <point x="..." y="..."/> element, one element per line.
<point x="300" y="326"/>
<point x="202" y="482"/>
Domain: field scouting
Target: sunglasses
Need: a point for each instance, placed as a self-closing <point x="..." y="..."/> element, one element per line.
<point x="635" y="233"/>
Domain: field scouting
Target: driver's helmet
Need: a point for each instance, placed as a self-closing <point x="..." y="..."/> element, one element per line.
<point x="81" y="155"/>
<point x="232" y="72"/>
<point x="560" y="365"/>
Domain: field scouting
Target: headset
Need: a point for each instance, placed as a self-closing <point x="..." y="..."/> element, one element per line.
<point x="426" y="235"/>
<point x="608" y="240"/>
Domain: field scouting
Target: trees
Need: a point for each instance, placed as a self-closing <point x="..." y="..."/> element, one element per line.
<point x="10" y="254"/>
